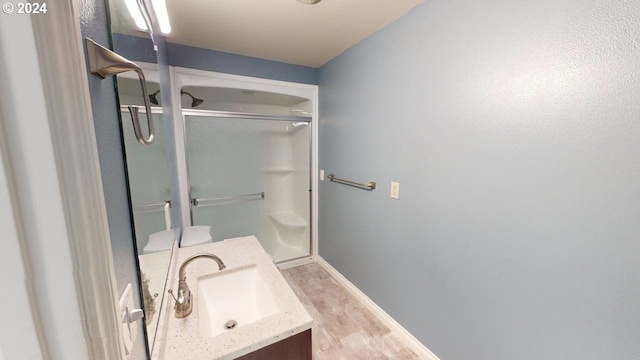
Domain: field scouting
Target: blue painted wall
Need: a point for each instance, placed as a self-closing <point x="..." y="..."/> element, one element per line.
<point x="203" y="59"/>
<point x="513" y="129"/>
<point x="210" y="60"/>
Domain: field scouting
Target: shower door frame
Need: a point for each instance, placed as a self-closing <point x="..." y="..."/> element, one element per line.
<point x="181" y="77"/>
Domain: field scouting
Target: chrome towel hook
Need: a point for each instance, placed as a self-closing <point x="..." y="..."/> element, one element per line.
<point x="104" y="63"/>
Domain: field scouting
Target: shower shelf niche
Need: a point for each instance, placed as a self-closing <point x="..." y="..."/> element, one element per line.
<point x="288" y="220"/>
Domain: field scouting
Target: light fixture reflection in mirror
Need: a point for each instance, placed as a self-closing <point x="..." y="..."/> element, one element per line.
<point x="159" y="8"/>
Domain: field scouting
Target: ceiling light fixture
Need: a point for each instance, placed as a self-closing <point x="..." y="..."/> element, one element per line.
<point x="310" y="2"/>
<point x="159" y="8"/>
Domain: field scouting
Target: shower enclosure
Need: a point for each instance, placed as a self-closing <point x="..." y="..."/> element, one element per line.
<point x="249" y="175"/>
<point x="249" y="150"/>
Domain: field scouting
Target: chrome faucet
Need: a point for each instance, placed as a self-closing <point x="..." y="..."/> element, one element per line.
<point x="183" y="304"/>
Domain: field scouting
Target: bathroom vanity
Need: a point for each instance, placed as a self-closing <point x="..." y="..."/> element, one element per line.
<point x="296" y="347"/>
<point x="246" y="311"/>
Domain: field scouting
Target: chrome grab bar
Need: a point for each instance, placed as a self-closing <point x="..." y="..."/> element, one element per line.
<point x="104" y="63"/>
<point x="202" y="202"/>
<point x="370" y="186"/>
<point x="149" y="208"/>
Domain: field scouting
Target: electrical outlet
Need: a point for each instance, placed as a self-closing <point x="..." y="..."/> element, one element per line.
<point x="395" y="190"/>
<point x="322" y="175"/>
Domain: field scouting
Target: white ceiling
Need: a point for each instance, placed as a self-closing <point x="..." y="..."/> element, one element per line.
<point x="281" y="30"/>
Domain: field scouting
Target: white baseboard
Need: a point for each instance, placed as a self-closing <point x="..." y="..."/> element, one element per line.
<point x="422" y="351"/>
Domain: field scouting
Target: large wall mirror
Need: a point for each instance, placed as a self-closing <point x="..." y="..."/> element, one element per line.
<point x="155" y="227"/>
<point x="150" y="201"/>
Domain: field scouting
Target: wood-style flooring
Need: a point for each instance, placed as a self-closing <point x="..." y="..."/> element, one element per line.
<point x="343" y="328"/>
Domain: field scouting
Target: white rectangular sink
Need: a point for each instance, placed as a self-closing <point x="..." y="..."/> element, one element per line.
<point x="239" y="295"/>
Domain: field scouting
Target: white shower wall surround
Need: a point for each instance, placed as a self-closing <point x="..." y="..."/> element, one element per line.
<point x="285" y="174"/>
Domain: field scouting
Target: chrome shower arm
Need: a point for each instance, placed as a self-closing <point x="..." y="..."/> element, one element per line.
<point x="104" y="63"/>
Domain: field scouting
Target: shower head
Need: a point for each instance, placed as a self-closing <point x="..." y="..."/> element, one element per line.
<point x="153" y="99"/>
<point x="194" y="100"/>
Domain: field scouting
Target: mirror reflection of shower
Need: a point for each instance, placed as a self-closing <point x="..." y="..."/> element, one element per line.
<point x="153" y="98"/>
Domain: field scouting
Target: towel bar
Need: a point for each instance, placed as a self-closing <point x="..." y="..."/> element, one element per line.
<point x="370" y="186"/>
<point x="201" y="202"/>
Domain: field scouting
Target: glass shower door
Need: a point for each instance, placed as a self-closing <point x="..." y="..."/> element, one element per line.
<point x="251" y="177"/>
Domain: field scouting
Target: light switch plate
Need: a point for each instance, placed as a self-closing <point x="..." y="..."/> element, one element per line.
<point x="322" y="175"/>
<point x="395" y="190"/>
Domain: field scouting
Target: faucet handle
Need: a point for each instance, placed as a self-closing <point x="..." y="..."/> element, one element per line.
<point x="170" y="291"/>
<point x="182" y="299"/>
<point x="184" y="296"/>
<point x="182" y="305"/>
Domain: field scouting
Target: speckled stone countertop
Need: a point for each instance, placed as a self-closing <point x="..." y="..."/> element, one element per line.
<point x="180" y="338"/>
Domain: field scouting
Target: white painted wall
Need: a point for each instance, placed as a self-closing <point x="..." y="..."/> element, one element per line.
<point x="36" y="199"/>
<point x="20" y="339"/>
